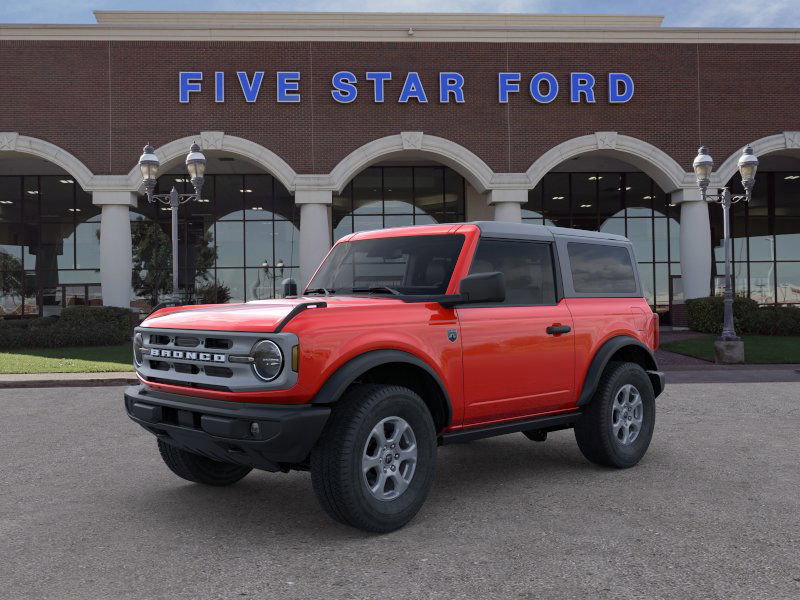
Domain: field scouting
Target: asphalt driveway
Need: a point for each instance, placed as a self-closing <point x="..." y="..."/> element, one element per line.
<point x="87" y="510"/>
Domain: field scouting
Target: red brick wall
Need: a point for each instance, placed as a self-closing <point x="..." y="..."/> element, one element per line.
<point x="102" y="101"/>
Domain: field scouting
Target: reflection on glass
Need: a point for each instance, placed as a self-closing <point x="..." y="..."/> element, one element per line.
<point x="640" y="232"/>
<point x="788" y="275"/>
<point x="367" y="191"/>
<point x="397" y="190"/>
<point x="233" y="282"/>
<point x="230" y="244"/>
<point x="615" y="226"/>
<point x="259" y="243"/>
<point x="646" y="279"/>
<point x="381" y="197"/>
<point x="660" y="239"/>
<point x="556" y="198"/>
<point x="762" y="282"/>
<point x="87" y="245"/>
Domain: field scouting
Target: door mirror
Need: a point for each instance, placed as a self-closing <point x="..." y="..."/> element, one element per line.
<point x="483" y="287"/>
<point x="479" y="288"/>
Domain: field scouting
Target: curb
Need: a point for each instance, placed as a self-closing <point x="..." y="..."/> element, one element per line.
<point x="92" y="380"/>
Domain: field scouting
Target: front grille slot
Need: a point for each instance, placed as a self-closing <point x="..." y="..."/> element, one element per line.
<point x="185" y="368"/>
<point x="187" y="342"/>
<point x="218" y="371"/>
<point x="159" y="340"/>
<point x="218" y="343"/>
<point x="159" y="365"/>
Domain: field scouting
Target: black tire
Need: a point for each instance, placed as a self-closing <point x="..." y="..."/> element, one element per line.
<point x="199" y="469"/>
<point x="336" y="461"/>
<point x="595" y="431"/>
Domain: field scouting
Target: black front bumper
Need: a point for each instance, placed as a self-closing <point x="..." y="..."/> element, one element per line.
<point x="226" y="431"/>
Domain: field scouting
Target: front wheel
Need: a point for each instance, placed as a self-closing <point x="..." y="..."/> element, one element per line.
<point x="617" y="426"/>
<point x="374" y="464"/>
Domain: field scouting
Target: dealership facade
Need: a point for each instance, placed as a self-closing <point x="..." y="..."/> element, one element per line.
<point x="316" y="125"/>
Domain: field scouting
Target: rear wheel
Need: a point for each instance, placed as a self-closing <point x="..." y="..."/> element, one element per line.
<point x="617" y="426"/>
<point x="199" y="469"/>
<point x="375" y="461"/>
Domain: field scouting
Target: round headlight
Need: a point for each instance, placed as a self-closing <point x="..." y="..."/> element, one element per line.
<point x="138" y="343"/>
<point x="268" y="360"/>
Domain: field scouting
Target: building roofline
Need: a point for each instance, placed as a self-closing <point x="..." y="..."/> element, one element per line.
<point x="306" y="18"/>
<point x="388" y="27"/>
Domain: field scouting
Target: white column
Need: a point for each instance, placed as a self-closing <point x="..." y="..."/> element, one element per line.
<point x="508" y="204"/>
<point x="695" y="243"/>
<point x="116" y="255"/>
<point x="315" y="230"/>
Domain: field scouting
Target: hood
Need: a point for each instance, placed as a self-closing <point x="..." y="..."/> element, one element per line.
<point x="257" y="316"/>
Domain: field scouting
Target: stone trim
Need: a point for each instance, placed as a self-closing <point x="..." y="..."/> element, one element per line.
<point x="448" y="153"/>
<point x="11" y="141"/>
<point x="788" y="140"/>
<point x="651" y="160"/>
<point x="218" y="140"/>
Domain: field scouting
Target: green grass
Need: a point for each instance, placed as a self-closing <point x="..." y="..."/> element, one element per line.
<point x="91" y="359"/>
<point x="758" y="349"/>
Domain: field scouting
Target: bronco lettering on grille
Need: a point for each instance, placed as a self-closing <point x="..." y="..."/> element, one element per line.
<point x="182" y="354"/>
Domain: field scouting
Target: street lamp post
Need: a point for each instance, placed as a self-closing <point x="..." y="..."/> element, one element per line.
<point x="196" y="166"/>
<point x="729" y="347"/>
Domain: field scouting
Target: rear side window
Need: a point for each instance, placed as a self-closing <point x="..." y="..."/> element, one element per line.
<point x="526" y="266"/>
<point x="601" y="269"/>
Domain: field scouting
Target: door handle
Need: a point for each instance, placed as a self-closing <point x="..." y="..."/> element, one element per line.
<point x="558" y="329"/>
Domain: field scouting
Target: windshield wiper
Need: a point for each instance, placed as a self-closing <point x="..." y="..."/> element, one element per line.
<point x="320" y="290"/>
<point x="377" y="289"/>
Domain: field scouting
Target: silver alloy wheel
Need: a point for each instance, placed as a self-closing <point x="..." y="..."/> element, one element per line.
<point x="627" y="415"/>
<point x="389" y="459"/>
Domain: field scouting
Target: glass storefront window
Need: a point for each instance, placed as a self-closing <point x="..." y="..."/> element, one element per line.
<point x="766" y="232"/>
<point x="49" y="240"/>
<point x="788" y="279"/>
<point x="380" y="197"/>
<point x="246" y="224"/>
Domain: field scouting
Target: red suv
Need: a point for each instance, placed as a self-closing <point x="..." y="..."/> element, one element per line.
<point x="406" y="339"/>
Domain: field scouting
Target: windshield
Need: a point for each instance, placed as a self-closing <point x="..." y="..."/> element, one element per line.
<point x="409" y="265"/>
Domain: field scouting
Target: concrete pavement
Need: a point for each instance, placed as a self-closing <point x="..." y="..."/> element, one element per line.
<point x="88" y="510"/>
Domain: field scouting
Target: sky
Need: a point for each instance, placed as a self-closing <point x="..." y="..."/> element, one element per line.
<point x="678" y="13"/>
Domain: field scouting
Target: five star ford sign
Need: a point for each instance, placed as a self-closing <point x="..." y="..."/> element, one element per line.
<point x="542" y="87"/>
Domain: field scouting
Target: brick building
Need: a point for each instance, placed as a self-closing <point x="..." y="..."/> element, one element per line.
<point x="319" y="124"/>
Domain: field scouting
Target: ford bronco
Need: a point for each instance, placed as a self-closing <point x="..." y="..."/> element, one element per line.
<point x="406" y="339"/>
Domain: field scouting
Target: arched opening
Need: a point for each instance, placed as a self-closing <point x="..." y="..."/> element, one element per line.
<point x="399" y="193"/>
<point x="599" y="192"/>
<point x="408" y="179"/>
<point x="765" y="233"/>
<point x="235" y="245"/>
<point x="49" y="238"/>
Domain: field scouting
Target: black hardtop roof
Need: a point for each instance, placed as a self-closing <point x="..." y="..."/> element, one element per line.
<point x="529" y="230"/>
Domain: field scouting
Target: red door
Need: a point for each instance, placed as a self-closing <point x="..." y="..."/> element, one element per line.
<point x="518" y="356"/>
<point x="512" y="366"/>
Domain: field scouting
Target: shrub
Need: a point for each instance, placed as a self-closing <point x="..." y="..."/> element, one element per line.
<point x="706" y="314"/>
<point x="77" y="326"/>
<point x="782" y="320"/>
<point x="213" y="293"/>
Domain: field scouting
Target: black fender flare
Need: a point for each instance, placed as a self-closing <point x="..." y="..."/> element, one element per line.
<point x="336" y="384"/>
<point x="603" y="356"/>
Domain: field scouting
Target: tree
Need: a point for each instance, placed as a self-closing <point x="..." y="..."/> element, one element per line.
<point x="152" y="260"/>
<point x="12" y="279"/>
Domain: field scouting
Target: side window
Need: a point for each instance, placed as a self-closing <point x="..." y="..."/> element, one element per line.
<point x="601" y="269"/>
<point x="526" y="266"/>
